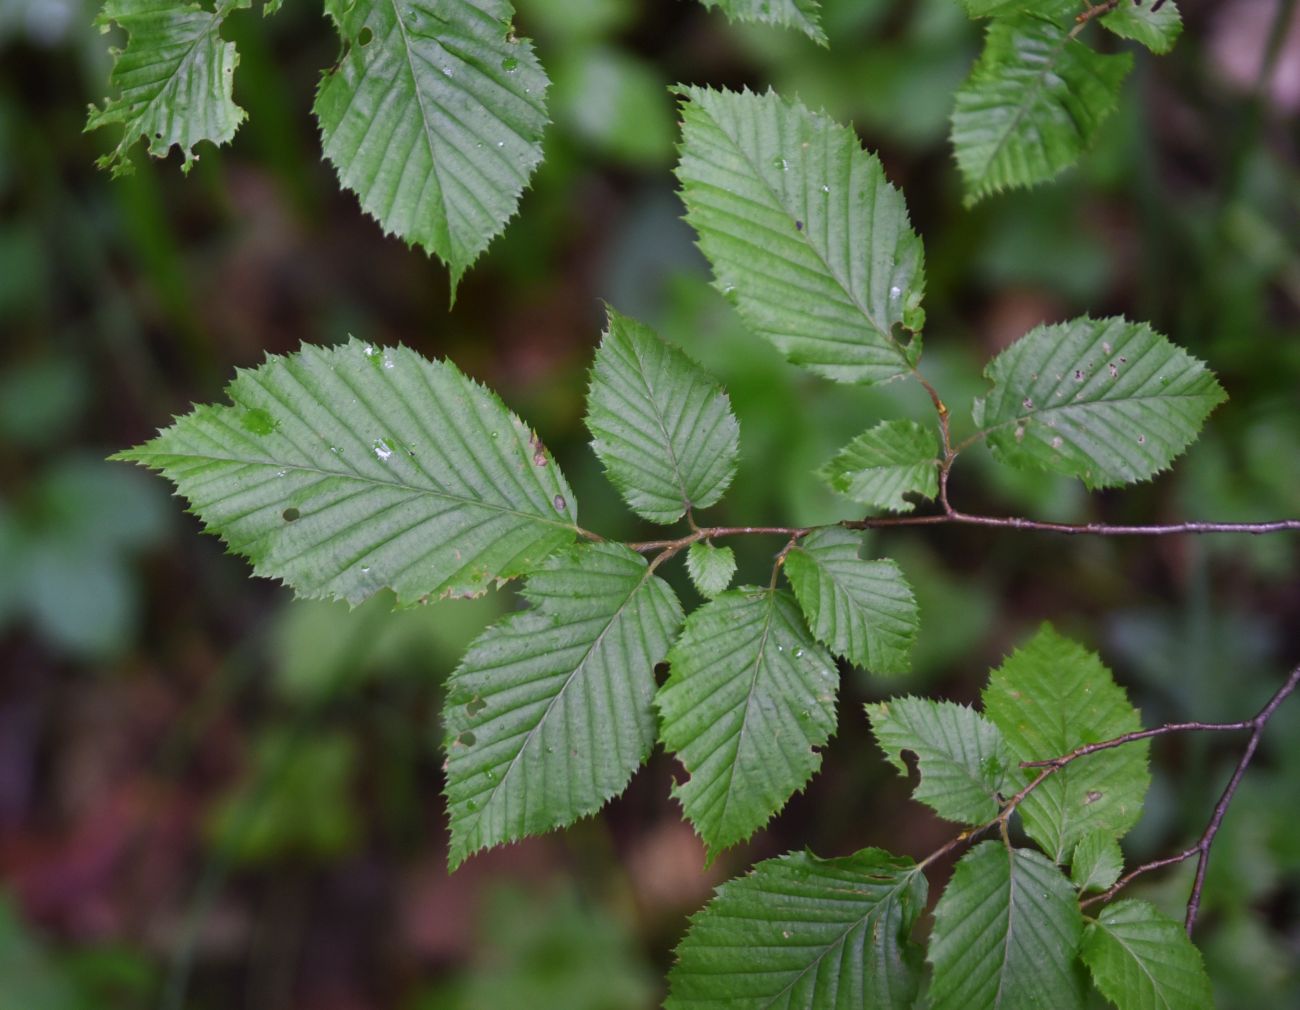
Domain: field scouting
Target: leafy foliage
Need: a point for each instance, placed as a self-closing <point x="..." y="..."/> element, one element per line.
<point x="1157" y="29"/>
<point x="886" y="462"/>
<point x="961" y="756"/>
<point x="434" y="118"/>
<point x="749" y="698"/>
<point x="1143" y="960"/>
<point x="803" y="15"/>
<point x="1106" y="400"/>
<point x="348" y="470"/>
<point x="1097" y="863"/>
<point x="174" y="79"/>
<point x="710" y="568"/>
<point x="550" y="712"/>
<point x="1006" y="933"/>
<point x="862" y="610"/>
<point x="663" y="429"/>
<point x="804" y="233"/>
<point x="1049" y="697"/>
<point x="808" y="933"/>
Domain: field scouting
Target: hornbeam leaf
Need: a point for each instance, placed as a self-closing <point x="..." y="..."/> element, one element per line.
<point x="749" y="698"/>
<point x="347" y="470"/>
<point x="1158" y="30"/>
<point x="174" y="79"/>
<point x="1097" y="863"/>
<point x="1032" y="104"/>
<point x="550" y="712"/>
<point x="433" y="117"/>
<point x="1047" y="698"/>
<point x="1006" y="935"/>
<point x="1106" y="400"/>
<point x="961" y="756"/>
<point x="804" y="233"/>
<point x="663" y="429"/>
<point x="1142" y="960"/>
<point x="710" y="568"/>
<point x="803" y="933"/>
<point x="861" y="610"/>
<point x="804" y="15"/>
<point x="884" y="463"/>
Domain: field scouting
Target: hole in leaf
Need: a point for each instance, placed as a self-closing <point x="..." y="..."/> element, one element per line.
<point x="364" y="37"/>
<point x="466" y="739"/>
<point x="290" y="514"/>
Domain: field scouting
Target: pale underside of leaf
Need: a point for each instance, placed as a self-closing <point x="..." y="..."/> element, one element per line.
<point x="1143" y="960"/>
<point x="349" y="470"/>
<point x="174" y="79"/>
<point x="551" y="710"/>
<point x="1106" y="400"/>
<point x="884" y="463"/>
<point x="802" y="15"/>
<point x="803" y="933"/>
<point x="804" y="233"/>
<point x="434" y="118"/>
<point x="749" y="698"/>
<point x="663" y="429"/>
<point x="1006" y="935"/>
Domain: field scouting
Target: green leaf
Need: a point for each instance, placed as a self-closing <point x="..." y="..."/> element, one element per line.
<point x="1006" y="935"/>
<point x="862" y="610"/>
<point x="1001" y="8"/>
<point x="710" y="568"/>
<point x="961" y="756"/>
<point x="551" y="710"/>
<point x="803" y="933"/>
<point x="347" y="470"/>
<point x="663" y="429"/>
<point x="1158" y="30"/>
<point x="805" y="234"/>
<point x="1142" y="960"/>
<point x="749" y="698"/>
<point x="803" y="15"/>
<point x="434" y="118"/>
<point x="1107" y="400"/>
<point x="1032" y="104"/>
<point x="884" y="463"/>
<point x="173" y="79"/>
<point x="1048" y="698"/>
<point x="1098" y="861"/>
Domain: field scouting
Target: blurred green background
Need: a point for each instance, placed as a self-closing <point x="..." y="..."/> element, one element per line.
<point x="214" y="797"/>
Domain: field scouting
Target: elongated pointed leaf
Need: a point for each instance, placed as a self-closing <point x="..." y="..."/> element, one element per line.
<point x="1106" y="400"/>
<point x="1006" y="935"/>
<point x="961" y="756"/>
<point x="661" y="426"/>
<point x="550" y="712"/>
<point x="885" y="463"/>
<point x="749" y="698"/>
<point x="804" y="933"/>
<point x="174" y="79"/>
<point x="1142" y="960"/>
<point x="1158" y="30"/>
<point x="1047" y="698"/>
<point x="1098" y="861"/>
<point x="1032" y="104"/>
<point x="862" y="610"/>
<point x="347" y="470"/>
<point x="710" y="568"/>
<point x="805" y="234"/>
<point x="802" y="15"/>
<point x="434" y="118"/>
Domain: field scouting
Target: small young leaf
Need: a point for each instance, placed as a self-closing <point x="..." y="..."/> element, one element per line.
<point x="802" y="932"/>
<point x="1142" y="960"/>
<point x="710" y="568"/>
<point x="961" y="756"/>
<point x="861" y="610"/>
<point x="550" y="712"/>
<point x="663" y="429"/>
<point x="1047" y="698"/>
<point x="1006" y="935"/>
<point x="1106" y="400"/>
<point x="804" y="233"/>
<point x="749" y="698"/>
<point x="1032" y="104"/>
<point x="1098" y="861"/>
<point x="434" y="118"/>
<point x="1158" y="30"/>
<point x="803" y="15"/>
<point x="884" y="463"/>
<point x="174" y="79"/>
<point x="347" y="470"/>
